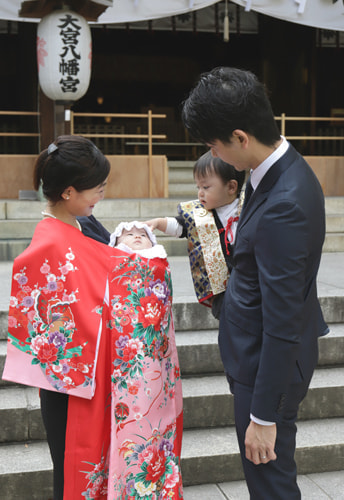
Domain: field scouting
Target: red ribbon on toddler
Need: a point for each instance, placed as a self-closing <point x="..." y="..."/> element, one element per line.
<point x="229" y="230"/>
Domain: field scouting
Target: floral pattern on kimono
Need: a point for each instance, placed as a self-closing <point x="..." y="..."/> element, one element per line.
<point x="53" y="321"/>
<point x="96" y="323"/>
<point x="146" y="385"/>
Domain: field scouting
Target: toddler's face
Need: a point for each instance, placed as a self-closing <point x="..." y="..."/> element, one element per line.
<point x="212" y="192"/>
<point x="135" y="238"/>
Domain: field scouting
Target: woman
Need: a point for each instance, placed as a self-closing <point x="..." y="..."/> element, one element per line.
<point x="81" y="329"/>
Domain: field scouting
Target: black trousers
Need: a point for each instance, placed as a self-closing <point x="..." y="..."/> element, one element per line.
<point x="54" y="407"/>
<point x="275" y="480"/>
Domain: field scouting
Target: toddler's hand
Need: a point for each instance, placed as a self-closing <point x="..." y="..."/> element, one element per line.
<point x="155" y="224"/>
<point x="152" y="223"/>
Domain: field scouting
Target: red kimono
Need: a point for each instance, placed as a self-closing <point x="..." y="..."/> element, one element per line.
<point x="96" y="323"/>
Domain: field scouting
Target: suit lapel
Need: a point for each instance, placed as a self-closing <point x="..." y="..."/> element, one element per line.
<point x="266" y="184"/>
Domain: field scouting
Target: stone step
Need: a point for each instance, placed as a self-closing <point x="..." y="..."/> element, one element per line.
<point x="334" y="242"/>
<point x="11" y="248"/>
<point x="195" y="323"/>
<point x="187" y="190"/>
<point x="137" y="208"/>
<point x="199" y="353"/>
<point x="198" y="349"/>
<point x="335" y="223"/>
<point x="334" y="204"/>
<point x="18" y="219"/>
<point x="3" y="349"/>
<point x="320" y="486"/>
<point x="26" y="471"/>
<point x="208" y="456"/>
<point x="20" y="414"/>
<point x="214" y="453"/>
<point x="123" y="209"/>
<point x="181" y="175"/>
<point x="191" y="319"/>
<point x="175" y="164"/>
<point x="23" y="229"/>
<point x="21" y="417"/>
<point x="191" y="316"/>
<point x="202" y="394"/>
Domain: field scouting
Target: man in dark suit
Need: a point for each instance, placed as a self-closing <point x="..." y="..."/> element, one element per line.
<point x="271" y="318"/>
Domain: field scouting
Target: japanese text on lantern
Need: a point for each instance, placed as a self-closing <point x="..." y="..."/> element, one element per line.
<point x="69" y="65"/>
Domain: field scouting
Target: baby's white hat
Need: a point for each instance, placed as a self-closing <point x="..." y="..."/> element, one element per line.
<point x="129" y="225"/>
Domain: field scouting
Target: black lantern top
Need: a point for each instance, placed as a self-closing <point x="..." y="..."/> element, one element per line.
<point x="89" y="9"/>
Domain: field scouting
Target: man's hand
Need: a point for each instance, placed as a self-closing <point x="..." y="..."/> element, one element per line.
<point x="260" y="443"/>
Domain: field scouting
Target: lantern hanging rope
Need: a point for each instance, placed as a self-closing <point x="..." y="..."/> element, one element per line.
<point x="226" y="24"/>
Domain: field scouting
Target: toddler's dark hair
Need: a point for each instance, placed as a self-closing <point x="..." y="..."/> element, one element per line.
<point x="208" y="164"/>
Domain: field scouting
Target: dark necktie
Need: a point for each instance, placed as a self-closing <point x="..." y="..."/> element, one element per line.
<point x="248" y="192"/>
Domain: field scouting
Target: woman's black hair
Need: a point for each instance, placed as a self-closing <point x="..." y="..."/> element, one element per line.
<point x="208" y="164"/>
<point x="70" y="161"/>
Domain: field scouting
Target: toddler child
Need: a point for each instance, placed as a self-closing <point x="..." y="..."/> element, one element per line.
<point x="209" y="223"/>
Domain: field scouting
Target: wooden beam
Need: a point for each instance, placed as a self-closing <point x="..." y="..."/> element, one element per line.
<point x="89" y="9"/>
<point x="47" y="120"/>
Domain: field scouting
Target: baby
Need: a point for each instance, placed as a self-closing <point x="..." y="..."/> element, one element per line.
<point x="137" y="237"/>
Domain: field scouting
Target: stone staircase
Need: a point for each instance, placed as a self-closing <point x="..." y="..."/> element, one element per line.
<point x="210" y="454"/>
<point x="18" y="219"/>
<point x="180" y="180"/>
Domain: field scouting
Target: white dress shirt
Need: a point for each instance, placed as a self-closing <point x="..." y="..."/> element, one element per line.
<point x="258" y="173"/>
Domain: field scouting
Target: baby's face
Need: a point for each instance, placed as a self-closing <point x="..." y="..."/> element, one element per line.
<point x="135" y="238"/>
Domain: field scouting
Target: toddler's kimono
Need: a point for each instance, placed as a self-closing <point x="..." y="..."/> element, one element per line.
<point x="208" y="266"/>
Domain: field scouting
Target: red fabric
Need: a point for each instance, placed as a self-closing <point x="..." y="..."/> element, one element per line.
<point x="58" y="287"/>
<point x="78" y="309"/>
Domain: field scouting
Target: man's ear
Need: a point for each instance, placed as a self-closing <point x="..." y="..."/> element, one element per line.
<point x="241" y="136"/>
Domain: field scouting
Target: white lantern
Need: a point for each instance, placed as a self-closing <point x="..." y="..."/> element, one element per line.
<point x="64" y="55"/>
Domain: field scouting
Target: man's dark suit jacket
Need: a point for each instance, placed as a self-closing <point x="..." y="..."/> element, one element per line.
<point x="92" y="228"/>
<point x="271" y="318"/>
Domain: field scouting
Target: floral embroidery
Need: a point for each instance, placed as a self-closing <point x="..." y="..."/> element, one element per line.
<point x="97" y="480"/>
<point x="146" y="309"/>
<point x="158" y="470"/>
<point x="46" y="314"/>
<point x="144" y="449"/>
